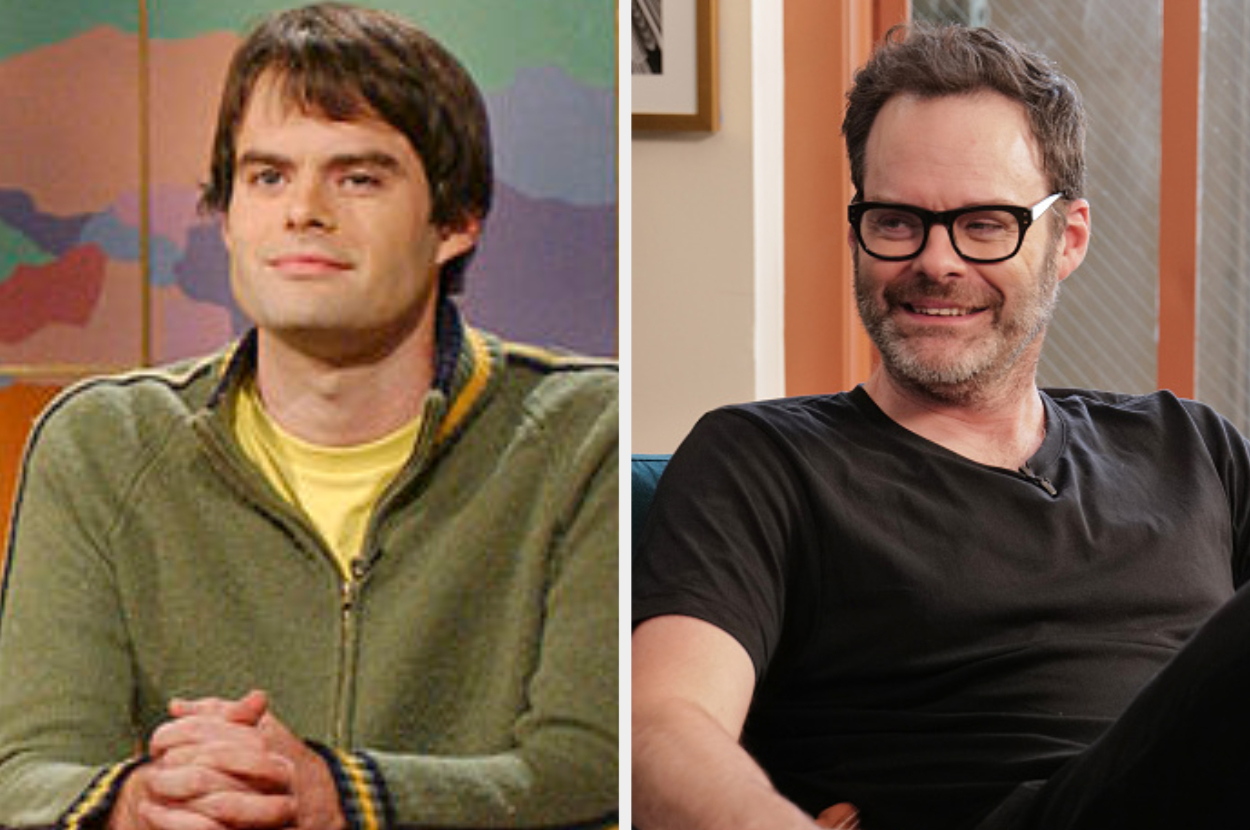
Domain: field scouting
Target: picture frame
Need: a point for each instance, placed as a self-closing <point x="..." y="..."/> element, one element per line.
<point x="674" y="78"/>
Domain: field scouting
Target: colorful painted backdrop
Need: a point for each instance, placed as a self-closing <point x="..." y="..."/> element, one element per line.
<point x="106" y="115"/>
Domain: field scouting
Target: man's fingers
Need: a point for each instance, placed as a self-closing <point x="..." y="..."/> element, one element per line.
<point x="202" y="729"/>
<point x="155" y="816"/>
<point x="247" y="710"/>
<point x="312" y="782"/>
<point x="173" y="781"/>
<point x="226" y="766"/>
<point x="223" y="765"/>
<point x="279" y="738"/>
<point x="184" y="783"/>
<point x="222" y="811"/>
<point x="246" y="810"/>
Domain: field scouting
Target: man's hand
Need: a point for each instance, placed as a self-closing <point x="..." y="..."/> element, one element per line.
<point x="228" y="765"/>
<point x="210" y="772"/>
<point x="316" y="799"/>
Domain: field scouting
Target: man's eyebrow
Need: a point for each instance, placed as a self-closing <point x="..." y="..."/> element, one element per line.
<point x="373" y="158"/>
<point x="253" y="157"/>
<point x="376" y="159"/>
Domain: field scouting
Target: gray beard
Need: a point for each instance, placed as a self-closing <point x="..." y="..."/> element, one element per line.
<point x="974" y="374"/>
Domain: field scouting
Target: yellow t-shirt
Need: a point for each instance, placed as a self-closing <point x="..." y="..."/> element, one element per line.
<point x="337" y="487"/>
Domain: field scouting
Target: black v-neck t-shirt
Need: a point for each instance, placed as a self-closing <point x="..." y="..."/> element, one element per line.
<point x="929" y="632"/>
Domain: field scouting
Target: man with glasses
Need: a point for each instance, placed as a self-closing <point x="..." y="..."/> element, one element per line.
<point x="980" y="233"/>
<point x="946" y="598"/>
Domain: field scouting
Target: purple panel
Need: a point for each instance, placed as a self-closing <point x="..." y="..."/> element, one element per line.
<point x="55" y="234"/>
<point x="203" y="273"/>
<point x="546" y="273"/>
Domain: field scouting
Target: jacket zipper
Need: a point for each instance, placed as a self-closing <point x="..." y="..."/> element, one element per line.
<point x="350" y="587"/>
<point x="349" y="594"/>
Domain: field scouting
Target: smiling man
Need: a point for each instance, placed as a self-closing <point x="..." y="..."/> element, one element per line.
<point x="946" y="598"/>
<point x="357" y="570"/>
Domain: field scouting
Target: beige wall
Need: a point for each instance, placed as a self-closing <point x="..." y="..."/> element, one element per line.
<point x="694" y="259"/>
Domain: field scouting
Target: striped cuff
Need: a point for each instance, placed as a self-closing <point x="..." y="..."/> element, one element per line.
<point x="362" y="790"/>
<point x="91" y="808"/>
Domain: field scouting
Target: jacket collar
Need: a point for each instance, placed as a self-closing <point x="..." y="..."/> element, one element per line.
<point x="466" y="362"/>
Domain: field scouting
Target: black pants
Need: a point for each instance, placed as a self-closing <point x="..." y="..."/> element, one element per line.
<point x="1179" y="756"/>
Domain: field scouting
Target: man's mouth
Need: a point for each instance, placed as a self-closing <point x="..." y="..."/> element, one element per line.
<point x="308" y="262"/>
<point x="941" y="311"/>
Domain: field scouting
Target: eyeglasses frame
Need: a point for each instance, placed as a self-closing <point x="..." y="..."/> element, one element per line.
<point x="1025" y="217"/>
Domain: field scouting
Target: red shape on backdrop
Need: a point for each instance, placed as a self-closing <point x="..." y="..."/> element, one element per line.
<point x="64" y="291"/>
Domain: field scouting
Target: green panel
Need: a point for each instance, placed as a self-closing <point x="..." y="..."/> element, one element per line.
<point x="30" y="25"/>
<point x="18" y="249"/>
<point x="494" y="38"/>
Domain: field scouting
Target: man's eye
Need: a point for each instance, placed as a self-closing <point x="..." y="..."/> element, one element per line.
<point x="265" y="177"/>
<point x="990" y="225"/>
<point x="361" y="181"/>
<point x="984" y="226"/>
<point x="893" y="223"/>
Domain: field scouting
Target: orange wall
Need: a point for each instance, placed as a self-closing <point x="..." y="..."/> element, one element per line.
<point x="19" y="404"/>
<point x="1178" y="211"/>
<point x="827" y="349"/>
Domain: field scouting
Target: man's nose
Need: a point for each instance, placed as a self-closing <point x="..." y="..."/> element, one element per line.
<point x="938" y="257"/>
<point x="308" y="206"/>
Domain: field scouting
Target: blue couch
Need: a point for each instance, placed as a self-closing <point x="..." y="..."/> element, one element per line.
<point x="645" y="475"/>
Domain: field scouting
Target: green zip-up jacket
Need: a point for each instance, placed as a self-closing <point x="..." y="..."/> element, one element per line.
<point x="465" y="676"/>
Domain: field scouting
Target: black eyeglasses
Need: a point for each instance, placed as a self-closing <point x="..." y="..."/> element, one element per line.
<point x="980" y="233"/>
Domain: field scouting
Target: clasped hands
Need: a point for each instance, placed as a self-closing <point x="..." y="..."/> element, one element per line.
<point x="227" y="765"/>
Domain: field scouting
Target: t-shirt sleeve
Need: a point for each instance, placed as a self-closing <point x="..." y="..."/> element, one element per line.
<point x="1230" y="452"/>
<point x="721" y="533"/>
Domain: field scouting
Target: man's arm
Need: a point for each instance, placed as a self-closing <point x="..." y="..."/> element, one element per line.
<point x="562" y="766"/>
<point x="66" y="677"/>
<point x="692" y="686"/>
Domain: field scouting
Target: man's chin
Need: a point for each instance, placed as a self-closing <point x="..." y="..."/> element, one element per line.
<point x="330" y="343"/>
<point x="943" y="358"/>
<point x="339" y="342"/>
<point x="937" y="373"/>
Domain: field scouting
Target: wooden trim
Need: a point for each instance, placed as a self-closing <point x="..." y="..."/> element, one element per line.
<point x="706" y="117"/>
<point x="48" y="372"/>
<point x="1178" y="203"/>
<point x="827" y="349"/>
<point x="145" y="189"/>
<point x="887" y="13"/>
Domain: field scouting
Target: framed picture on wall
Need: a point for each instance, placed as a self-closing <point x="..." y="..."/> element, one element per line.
<point x="673" y="75"/>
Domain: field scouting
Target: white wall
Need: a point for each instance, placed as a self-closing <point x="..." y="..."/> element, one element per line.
<point x="695" y="292"/>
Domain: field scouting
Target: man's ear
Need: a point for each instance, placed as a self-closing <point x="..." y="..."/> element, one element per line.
<point x="457" y="240"/>
<point x="1075" y="239"/>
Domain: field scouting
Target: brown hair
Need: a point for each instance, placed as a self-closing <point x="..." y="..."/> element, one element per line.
<point x="930" y="61"/>
<point x="347" y="62"/>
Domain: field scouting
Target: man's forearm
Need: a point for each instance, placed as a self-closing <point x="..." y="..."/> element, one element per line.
<point x="690" y="774"/>
<point x="563" y="778"/>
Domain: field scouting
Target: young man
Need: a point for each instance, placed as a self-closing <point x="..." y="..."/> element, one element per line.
<point x="939" y="600"/>
<point x="360" y="569"/>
